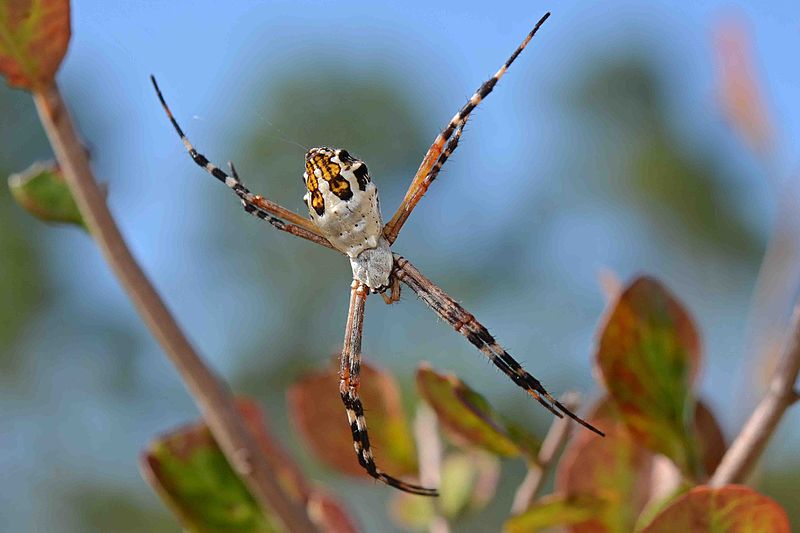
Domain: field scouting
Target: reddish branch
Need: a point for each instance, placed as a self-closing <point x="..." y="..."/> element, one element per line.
<point x="211" y="395"/>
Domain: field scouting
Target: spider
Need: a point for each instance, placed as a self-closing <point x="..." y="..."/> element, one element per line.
<point x="345" y="215"/>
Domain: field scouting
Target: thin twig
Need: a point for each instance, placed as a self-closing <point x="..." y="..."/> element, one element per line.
<point x="429" y="451"/>
<point x="748" y="446"/>
<point x="554" y="442"/>
<point x="211" y="395"/>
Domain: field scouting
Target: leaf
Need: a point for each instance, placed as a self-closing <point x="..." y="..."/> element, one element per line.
<point x="318" y="414"/>
<point x="729" y="509"/>
<point x="191" y="474"/>
<point x="555" y="510"/>
<point x="468" y="418"/>
<point x="33" y="40"/>
<point x="41" y="190"/>
<point x="188" y="470"/>
<point x="469" y="482"/>
<point x="614" y="469"/>
<point x="411" y="512"/>
<point x="648" y="357"/>
<point x="710" y="439"/>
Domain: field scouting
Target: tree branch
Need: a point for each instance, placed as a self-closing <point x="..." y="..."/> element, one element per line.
<point x="211" y="395"/>
<point x="553" y="443"/>
<point x="756" y="432"/>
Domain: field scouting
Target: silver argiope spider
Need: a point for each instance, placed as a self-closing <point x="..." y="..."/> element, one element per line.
<point x="342" y="201"/>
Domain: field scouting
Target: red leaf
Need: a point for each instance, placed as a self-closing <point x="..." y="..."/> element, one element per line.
<point x="614" y="470"/>
<point x="33" y="40"/>
<point x="730" y="509"/>
<point x="317" y="412"/>
<point x="648" y="357"/>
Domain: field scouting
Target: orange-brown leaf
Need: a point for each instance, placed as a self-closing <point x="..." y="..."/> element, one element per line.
<point x="614" y="470"/>
<point x="317" y="412"/>
<point x="33" y="40"/>
<point x="709" y="437"/>
<point x="729" y="509"/>
<point x="648" y="356"/>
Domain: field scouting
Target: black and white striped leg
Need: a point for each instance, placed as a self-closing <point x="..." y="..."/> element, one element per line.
<point x="477" y="334"/>
<point x="435" y="157"/>
<point x="279" y="217"/>
<point x="349" y="373"/>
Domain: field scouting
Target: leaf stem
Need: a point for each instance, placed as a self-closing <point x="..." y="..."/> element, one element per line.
<point x="429" y="450"/>
<point x="210" y="394"/>
<point x="554" y="442"/>
<point x="752" y="440"/>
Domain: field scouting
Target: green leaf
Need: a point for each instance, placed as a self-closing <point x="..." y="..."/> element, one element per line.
<point x="33" y="40"/>
<point x="648" y="356"/>
<point x="615" y="469"/>
<point x="316" y="410"/>
<point x="468" y="418"/>
<point x="412" y="512"/>
<point x="41" y="190"/>
<point x="469" y="482"/>
<point x="729" y="509"/>
<point x="555" y="510"/>
<point x="191" y="474"/>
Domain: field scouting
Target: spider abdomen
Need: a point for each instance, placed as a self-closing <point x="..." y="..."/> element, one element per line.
<point x="343" y="203"/>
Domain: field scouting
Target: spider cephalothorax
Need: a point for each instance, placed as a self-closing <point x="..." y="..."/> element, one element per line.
<point x="343" y="203"/>
<point x="345" y="215"/>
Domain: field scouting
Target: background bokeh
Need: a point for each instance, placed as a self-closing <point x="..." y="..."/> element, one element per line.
<point x="626" y="139"/>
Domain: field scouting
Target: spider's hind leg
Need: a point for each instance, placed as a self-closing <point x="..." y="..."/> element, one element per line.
<point x="465" y="324"/>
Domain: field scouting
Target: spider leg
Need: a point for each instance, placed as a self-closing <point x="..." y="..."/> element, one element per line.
<point x="439" y="151"/>
<point x="267" y="210"/>
<point x="477" y="334"/>
<point x="349" y="372"/>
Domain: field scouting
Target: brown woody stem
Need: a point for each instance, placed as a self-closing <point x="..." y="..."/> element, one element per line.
<point x="213" y="398"/>
<point x="752" y="440"/>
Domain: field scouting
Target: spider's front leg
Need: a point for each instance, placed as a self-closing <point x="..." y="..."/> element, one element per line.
<point x="445" y="144"/>
<point x="350" y="375"/>
<point x="267" y="210"/>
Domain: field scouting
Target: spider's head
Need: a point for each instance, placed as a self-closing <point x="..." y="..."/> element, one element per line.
<point x="343" y="175"/>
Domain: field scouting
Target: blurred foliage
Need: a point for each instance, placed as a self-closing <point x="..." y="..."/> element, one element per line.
<point x="728" y="509"/>
<point x="190" y="472"/>
<point x="33" y="40"/>
<point x="648" y="357"/>
<point x="23" y="289"/>
<point x="317" y="412"/>
<point x="41" y="190"/>
<point x="99" y="507"/>
<point x="682" y="190"/>
<point x="469" y="419"/>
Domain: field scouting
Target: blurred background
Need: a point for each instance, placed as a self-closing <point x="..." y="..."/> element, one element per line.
<point x="628" y="138"/>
